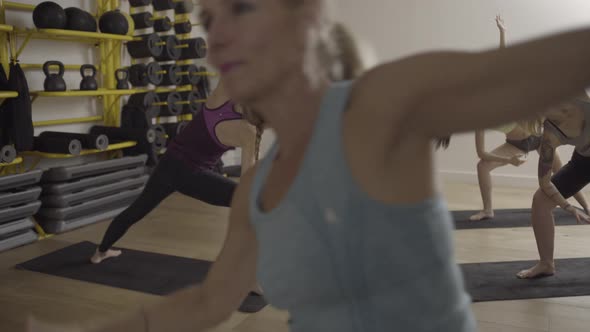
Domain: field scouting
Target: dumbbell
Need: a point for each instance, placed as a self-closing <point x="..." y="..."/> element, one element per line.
<point x="147" y="20"/>
<point x="193" y="48"/>
<point x="161" y="140"/>
<point x="153" y="73"/>
<point x="172" y="50"/>
<point x="173" y="129"/>
<point x="148" y="101"/>
<point x="195" y="102"/>
<point x="143" y="20"/>
<point x="88" y="141"/>
<point x="135" y="116"/>
<point x="141" y="74"/>
<point x="7" y="154"/>
<point x="189" y="75"/>
<point x="139" y="3"/>
<point x="117" y="134"/>
<point x="163" y="24"/>
<point x="172" y="75"/>
<point x="161" y="5"/>
<point x="184" y="7"/>
<point x="145" y="46"/>
<point x="162" y="48"/>
<point x="204" y="86"/>
<point x="183" y="27"/>
<point x="57" y="145"/>
<point x="172" y="105"/>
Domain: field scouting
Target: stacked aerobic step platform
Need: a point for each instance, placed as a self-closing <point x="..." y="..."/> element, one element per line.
<point x="76" y="196"/>
<point x="19" y="201"/>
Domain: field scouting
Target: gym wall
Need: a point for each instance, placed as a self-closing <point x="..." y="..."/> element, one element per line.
<point x="398" y="28"/>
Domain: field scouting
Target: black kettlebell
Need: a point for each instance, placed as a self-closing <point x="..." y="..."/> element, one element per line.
<point x="88" y="81"/>
<point x="122" y="75"/>
<point x="54" y="82"/>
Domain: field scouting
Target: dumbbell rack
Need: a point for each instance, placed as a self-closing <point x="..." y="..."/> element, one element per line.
<point x="177" y="18"/>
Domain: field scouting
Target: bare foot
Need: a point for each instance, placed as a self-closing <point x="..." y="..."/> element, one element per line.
<point x="101" y="256"/>
<point x="482" y="216"/>
<point x="542" y="269"/>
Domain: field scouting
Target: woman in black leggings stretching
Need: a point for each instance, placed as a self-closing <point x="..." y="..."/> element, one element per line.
<point x="187" y="166"/>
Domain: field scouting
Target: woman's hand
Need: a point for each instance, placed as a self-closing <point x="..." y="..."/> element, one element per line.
<point x="516" y="161"/>
<point x="34" y="325"/>
<point x="500" y="23"/>
<point x="581" y="217"/>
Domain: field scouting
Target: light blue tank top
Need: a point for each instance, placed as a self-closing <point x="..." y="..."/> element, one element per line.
<point x="338" y="260"/>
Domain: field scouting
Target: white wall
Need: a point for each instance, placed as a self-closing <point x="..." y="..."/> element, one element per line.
<point x="397" y="28"/>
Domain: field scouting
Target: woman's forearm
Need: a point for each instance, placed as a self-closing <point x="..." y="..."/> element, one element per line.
<point x="502" y="38"/>
<point x="492" y="157"/>
<point x="184" y="311"/>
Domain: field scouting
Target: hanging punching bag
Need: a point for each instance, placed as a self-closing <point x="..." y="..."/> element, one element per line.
<point x="18" y="110"/>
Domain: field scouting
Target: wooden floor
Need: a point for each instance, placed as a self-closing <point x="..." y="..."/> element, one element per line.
<point x="185" y="227"/>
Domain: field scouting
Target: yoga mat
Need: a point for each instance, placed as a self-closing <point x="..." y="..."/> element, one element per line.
<point x="497" y="281"/>
<point x="508" y="218"/>
<point x="136" y="270"/>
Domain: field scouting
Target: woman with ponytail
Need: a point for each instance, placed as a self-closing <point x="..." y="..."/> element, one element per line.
<point x="187" y="166"/>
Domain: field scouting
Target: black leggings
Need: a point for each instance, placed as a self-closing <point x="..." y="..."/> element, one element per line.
<point x="170" y="175"/>
<point x="573" y="176"/>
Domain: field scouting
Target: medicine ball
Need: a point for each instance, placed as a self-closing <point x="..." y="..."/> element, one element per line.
<point x="49" y="15"/>
<point x="130" y="23"/>
<point x="80" y="20"/>
<point x="113" y="22"/>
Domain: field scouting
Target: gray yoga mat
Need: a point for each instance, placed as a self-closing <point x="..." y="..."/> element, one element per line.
<point x="508" y="218"/>
<point x="141" y="271"/>
<point x="497" y="281"/>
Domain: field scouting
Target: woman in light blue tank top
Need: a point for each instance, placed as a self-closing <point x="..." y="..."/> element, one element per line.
<point x="342" y="222"/>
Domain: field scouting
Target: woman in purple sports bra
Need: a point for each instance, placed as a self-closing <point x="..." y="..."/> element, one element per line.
<point x="187" y="166"/>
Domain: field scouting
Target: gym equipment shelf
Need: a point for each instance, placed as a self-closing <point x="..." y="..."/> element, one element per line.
<point x="8" y="94"/>
<point x="67" y="121"/>
<point x="112" y="147"/>
<point x="60" y="34"/>
<point x="6" y="27"/>
<point x="16" y="161"/>
<point x="105" y="92"/>
<point x="18" y="6"/>
<point x="83" y="93"/>
<point x="39" y="66"/>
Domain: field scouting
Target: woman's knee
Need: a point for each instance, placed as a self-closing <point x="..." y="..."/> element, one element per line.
<point x="542" y="201"/>
<point x="487" y="166"/>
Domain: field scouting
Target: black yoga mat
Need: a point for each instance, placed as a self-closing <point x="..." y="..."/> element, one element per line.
<point x="136" y="270"/>
<point x="508" y="218"/>
<point x="497" y="281"/>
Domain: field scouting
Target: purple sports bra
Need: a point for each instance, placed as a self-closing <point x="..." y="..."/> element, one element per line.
<point x="198" y="145"/>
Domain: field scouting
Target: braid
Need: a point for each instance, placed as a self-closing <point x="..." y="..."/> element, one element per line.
<point x="259" y="131"/>
<point x="257" y="121"/>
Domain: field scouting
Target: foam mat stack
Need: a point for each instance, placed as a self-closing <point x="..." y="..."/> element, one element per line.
<point x="19" y="201"/>
<point x="76" y="196"/>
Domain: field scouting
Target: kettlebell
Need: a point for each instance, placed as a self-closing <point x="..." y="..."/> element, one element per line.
<point x="122" y="75"/>
<point x="88" y="81"/>
<point x="54" y="82"/>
